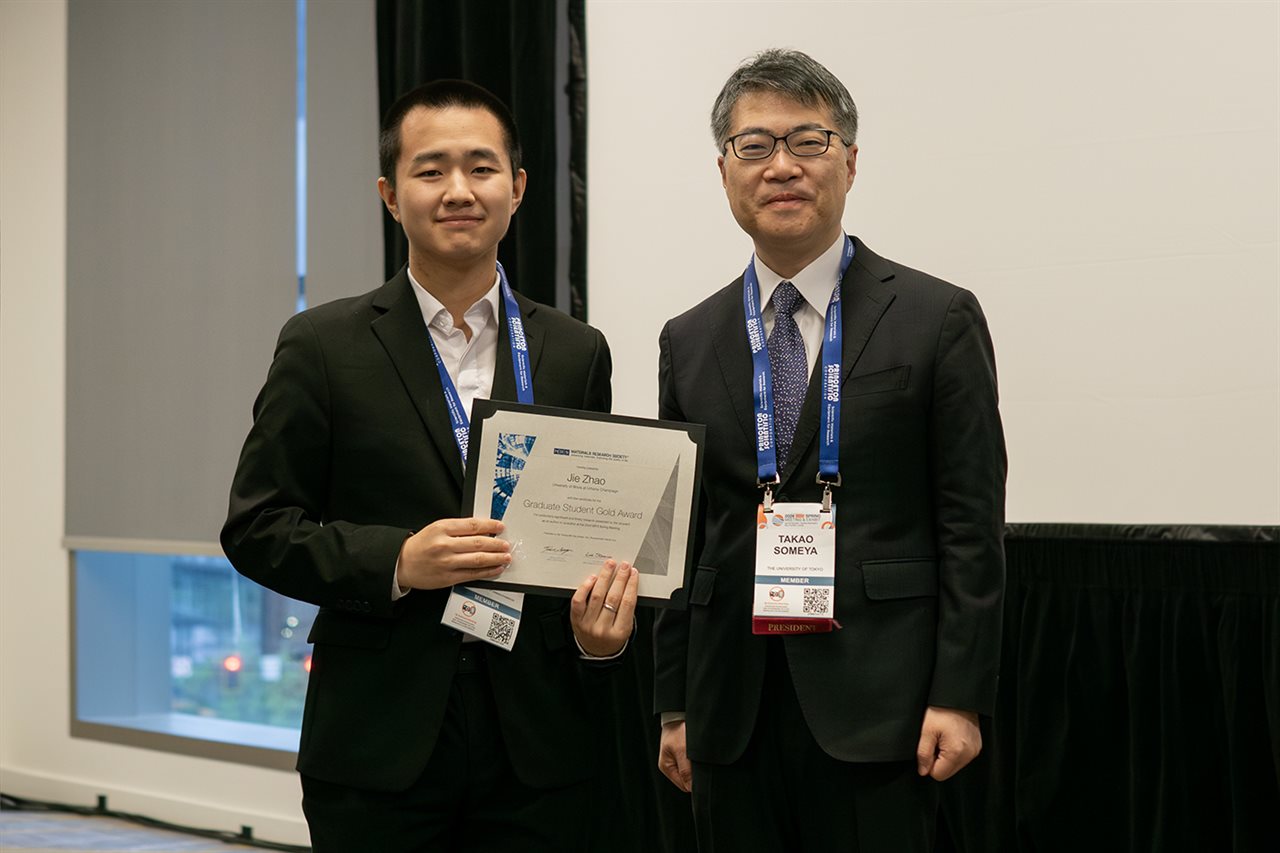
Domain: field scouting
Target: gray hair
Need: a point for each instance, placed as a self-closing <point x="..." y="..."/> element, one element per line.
<point x="791" y="73"/>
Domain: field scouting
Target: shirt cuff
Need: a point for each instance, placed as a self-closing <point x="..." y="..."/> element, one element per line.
<point x="397" y="592"/>
<point x="582" y="653"/>
<point x="672" y="717"/>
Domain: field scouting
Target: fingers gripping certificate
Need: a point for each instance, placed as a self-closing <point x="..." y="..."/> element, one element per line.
<point x="573" y="489"/>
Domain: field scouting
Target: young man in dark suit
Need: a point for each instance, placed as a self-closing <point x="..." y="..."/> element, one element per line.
<point x="347" y="496"/>
<point x="875" y="393"/>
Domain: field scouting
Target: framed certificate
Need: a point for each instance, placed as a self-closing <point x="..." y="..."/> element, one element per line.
<point x="573" y="489"/>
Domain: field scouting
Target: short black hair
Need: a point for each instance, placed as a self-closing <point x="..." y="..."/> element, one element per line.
<point x="436" y="95"/>
<point x="794" y="75"/>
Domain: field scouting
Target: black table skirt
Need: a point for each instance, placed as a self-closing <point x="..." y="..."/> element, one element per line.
<point x="1139" y="703"/>
<point x="1138" y="709"/>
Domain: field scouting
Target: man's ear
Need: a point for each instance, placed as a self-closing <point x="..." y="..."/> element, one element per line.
<point x="852" y="163"/>
<point x="723" y="180"/>
<point x="517" y="189"/>
<point x="388" y="193"/>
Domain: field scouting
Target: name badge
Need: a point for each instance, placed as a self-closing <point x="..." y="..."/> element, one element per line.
<point x="795" y="587"/>
<point x="492" y="615"/>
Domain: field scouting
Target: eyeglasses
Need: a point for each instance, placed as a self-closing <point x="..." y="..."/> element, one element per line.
<point x="755" y="145"/>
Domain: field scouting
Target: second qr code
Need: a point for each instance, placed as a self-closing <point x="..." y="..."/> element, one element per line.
<point x="817" y="599"/>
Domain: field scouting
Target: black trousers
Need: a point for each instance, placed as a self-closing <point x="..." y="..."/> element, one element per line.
<point x="468" y="798"/>
<point x="785" y="795"/>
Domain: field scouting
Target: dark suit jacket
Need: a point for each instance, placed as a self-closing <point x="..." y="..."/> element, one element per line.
<point x="919" y="521"/>
<point x="350" y="451"/>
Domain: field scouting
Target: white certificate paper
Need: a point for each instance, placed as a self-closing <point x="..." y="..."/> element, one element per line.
<point x="573" y="489"/>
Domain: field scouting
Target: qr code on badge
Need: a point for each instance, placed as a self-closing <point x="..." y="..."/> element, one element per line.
<point x="817" y="599"/>
<point x="501" y="629"/>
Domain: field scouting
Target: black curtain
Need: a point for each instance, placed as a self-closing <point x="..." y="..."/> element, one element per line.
<point x="1139" y="699"/>
<point x="510" y="48"/>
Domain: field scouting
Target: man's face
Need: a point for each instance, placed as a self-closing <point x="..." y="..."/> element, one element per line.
<point x="454" y="191"/>
<point x="791" y="206"/>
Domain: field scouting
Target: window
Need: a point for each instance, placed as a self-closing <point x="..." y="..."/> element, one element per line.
<point x="215" y="221"/>
<point x="182" y="646"/>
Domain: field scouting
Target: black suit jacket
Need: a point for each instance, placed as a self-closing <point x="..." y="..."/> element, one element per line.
<point x="350" y="451"/>
<point x="919" y="521"/>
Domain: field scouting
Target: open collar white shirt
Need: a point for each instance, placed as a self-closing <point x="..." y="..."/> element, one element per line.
<point x="470" y="363"/>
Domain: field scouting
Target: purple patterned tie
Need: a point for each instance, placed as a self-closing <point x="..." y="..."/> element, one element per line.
<point x="789" y="366"/>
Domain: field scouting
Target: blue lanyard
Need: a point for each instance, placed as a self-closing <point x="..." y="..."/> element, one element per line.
<point x="762" y="391"/>
<point x="519" y="361"/>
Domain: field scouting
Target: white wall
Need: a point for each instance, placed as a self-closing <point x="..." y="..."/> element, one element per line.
<point x="1103" y="175"/>
<point x="38" y="758"/>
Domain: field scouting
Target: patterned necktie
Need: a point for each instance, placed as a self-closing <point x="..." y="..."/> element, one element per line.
<point x="789" y="366"/>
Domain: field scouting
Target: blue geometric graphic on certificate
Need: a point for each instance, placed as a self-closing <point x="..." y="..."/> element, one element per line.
<point x="513" y="453"/>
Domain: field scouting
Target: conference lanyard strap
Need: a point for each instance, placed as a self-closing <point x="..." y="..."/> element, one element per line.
<point x="519" y="362"/>
<point x="762" y="388"/>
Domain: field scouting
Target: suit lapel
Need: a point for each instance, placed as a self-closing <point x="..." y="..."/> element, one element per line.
<point x="733" y="352"/>
<point x="864" y="297"/>
<point x="404" y="336"/>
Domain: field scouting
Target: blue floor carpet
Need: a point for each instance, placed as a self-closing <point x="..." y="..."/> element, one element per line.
<point x="26" y="832"/>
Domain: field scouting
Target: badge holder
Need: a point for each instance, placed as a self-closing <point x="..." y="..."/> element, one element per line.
<point x="795" y="565"/>
<point x="490" y="615"/>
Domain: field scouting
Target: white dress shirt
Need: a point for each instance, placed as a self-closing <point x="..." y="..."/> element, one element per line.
<point x="470" y="363"/>
<point x="816" y="283"/>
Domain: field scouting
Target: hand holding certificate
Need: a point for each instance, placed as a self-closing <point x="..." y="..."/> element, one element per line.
<point x="574" y="489"/>
<point x="603" y="609"/>
<point x="451" y="551"/>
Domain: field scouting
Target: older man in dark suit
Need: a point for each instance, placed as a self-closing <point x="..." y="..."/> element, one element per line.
<point x="870" y="410"/>
<point x="347" y="493"/>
